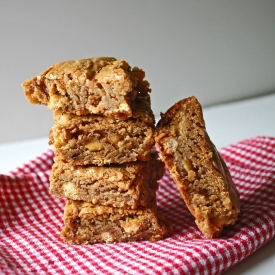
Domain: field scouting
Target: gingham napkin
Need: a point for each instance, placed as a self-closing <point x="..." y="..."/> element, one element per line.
<point x="31" y="220"/>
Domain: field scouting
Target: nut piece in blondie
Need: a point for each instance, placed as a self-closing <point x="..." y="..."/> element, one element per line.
<point x="86" y="223"/>
<point x="126" y="185"/>
<point x="101" y="85"/>
<point x="197" y="168"/>
<point x="100" y="140"/>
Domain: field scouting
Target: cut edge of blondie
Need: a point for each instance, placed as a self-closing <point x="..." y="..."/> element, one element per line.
<point x="85" y="223"/>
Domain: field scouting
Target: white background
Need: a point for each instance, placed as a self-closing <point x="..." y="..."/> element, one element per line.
<point x="216" y="50"/>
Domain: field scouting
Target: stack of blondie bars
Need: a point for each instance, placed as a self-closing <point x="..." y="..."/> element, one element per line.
<point x="102" y="137"/>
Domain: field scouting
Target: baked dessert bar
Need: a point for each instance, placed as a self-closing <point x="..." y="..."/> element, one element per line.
<point x="197" y="168"/>
<point x="86" y="223"/>
<point x="100" y="140"/>
<point x="127" y="185"/>
<point x="100" y="85"/>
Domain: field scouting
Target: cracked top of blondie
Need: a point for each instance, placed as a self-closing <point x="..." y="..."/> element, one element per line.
<point x="101" y="85"/>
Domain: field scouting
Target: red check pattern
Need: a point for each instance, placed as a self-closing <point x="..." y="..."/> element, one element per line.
<point x="31" y="220"/>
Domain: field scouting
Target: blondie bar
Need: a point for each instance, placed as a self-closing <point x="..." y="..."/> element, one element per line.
<point x="86" y="223"/>
<point x="196" y="167"/>
<point x="100" y="85"/>
<point x="100" y="140"/>
<point x="127" y="185"/>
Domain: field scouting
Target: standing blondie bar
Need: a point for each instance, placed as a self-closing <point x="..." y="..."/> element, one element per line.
<point x="197" y="168"/>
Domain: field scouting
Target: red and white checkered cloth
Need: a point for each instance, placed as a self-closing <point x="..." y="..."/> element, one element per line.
<point x="31" y="220"/>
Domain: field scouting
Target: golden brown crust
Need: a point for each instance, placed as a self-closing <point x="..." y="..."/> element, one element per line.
<point x="86" y="223"/>
<point x="100" y="85"/>
<point x="196" y="167"/>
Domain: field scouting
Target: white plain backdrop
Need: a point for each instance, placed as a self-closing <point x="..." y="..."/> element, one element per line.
<point x="216" y="50"/>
